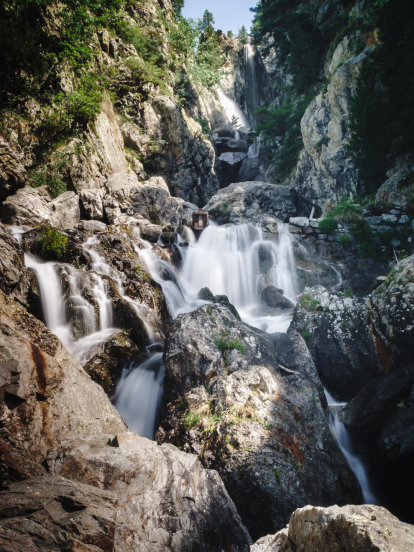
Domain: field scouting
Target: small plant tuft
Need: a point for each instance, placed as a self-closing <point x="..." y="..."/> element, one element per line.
<point x="328" y="226"/>
<point x="52" y="243"/>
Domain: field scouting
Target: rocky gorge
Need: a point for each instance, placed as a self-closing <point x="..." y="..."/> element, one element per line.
<point x="244" y="388"/>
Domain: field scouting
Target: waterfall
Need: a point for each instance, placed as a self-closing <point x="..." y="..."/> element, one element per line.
<point x="345" y="443"/>
<point x="53" y="305"/>
<point x="250" y="78"/>
<point x="254" y="149"/>
<point x="236" y="261"/>
<point x="139" y="394"/>
<point x="232" y="109"/>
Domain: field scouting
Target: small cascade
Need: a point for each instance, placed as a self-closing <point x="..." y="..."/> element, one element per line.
<point x="254" y="149"/>
<point x="346" y="445"/>
<point x="53" y="304"/>
<point x="250" y="78"/>
<point x="232" y="109"/>
<point x="139" y="394"/>
<point x="236" y="261"/>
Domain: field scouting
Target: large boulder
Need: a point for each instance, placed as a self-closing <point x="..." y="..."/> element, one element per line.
<point x="34" y="206"/>
<point x="275" y="299"/>
<point x="353" y="340"/>
<point x="261" y="425"/>
<point x="254" y="202"/>
<point x="252" y="168"/>
<point x="52" y="513"/>
<point x="348" y="529"/>
<point x="165" y="499"/>
<point x="129" y="201"/>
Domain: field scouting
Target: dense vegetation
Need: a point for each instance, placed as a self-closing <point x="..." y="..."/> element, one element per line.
<point x="383" y="109"/>
<point x="304" y="34"/>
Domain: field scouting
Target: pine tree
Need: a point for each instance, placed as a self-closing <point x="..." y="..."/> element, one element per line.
<point x="243" y="35"/>
<point x="230" y="34"/>
<point x="206" y="24"/>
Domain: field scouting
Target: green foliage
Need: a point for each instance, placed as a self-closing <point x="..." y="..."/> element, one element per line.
<point x="328" y="226"/>
<point x="324" y="141"/>
<point x="306" y="335"/>
<point x="308" y="303"/>
<point x="206" y="24"/>
<point x="243" y="35"/>
<point x="346" y="210"/>
<point x="277" y="476"/>
<point x="143" y="72"/>
<point x="364" y="237"/>
<point x="141" y="272"/>
<point x="224" y="207"/>
<point x="230" y="34"/>
<point x="224" y="344"/>
<point x="177" y="6"/>
<point x="52" y="243"/>
<point x="50" y="176"/>
<point x="191" y="420"/>
<point x="268" y="426"/>
<point x="72" y="110"/>
<point x="382" y="114"/>
<point x="205" y="125"/>
<point x="36" y="46"/>
<point x="349" y="293"/>
<point x="344" y="239"/>
<point x="284" y="121"/>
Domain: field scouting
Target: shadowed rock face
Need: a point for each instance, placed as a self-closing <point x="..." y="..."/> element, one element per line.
<point x="260" y="425"/>
<point x="349" y="529"/>
<point x="355" y="340"/>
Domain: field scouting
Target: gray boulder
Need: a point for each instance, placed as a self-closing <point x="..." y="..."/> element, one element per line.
<point x="12" y="171"/>
<point x="143" y="478"/>
<point x="52" y="513"/>
<point x="275" y="299"/>
<point x="348" y="529"/>
<point x="251" y="169"/>
<point x="259" y="424"/>
<point x="223" y="131"/>
<point x="254" y="202"/>
<point x="233" y="159"/>
<point x="33" y="207"/>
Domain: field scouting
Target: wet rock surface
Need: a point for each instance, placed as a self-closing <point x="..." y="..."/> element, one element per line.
<point x="274" y="298"/>
<point x="260" y="425"/>
<point x="349" y="529"/>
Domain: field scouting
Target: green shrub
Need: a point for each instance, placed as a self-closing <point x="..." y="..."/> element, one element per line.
<point x="306" y="335"/>
<point x="328" y="226"/>
<point x="346" y="210"/>
<point x="52" y="243"/>
<point x="308" y="303"/>
<point x="50" y="176"/>
<point x="191" y="420"/>
<point x="364" y="237"/>
<point x="349" y="293"/>
<point x="224" y="344"/>
<point x="324" y="141"/>
<point x="344" y="239"/>
<point x="205" y="126"/>
<point x="277" y="476"/>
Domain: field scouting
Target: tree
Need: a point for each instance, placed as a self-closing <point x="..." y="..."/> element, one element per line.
<point x="206" y="24"/>
<point x="177" y="6"/>
<point x="230" y="34"/>
<point x="243" y="35"/>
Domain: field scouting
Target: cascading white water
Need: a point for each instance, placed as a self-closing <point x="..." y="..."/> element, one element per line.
<point x="254" y="149"/>
<point x="53" y="305"/>
<point x="345" y="442"/>
<point x="250" y="78"/>
<point x="236" y="261"/>
<point x="232" y="109"/>
<point x="139" y="394"/>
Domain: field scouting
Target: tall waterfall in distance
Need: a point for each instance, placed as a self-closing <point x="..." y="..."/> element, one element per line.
<point x="250" y="79"/>
<point x="232" y="109"/>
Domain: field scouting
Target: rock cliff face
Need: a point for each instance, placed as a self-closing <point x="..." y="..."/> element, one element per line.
<point x="325" y="172"/>
<point x="354" y="340"/>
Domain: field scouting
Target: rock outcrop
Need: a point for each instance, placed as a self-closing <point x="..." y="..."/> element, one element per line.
<point x="254" y="202"/>
<point x="354" y="340"/>
<point x="34" y="206"/>
<point x="259" y="424"/>
<point x="349" y="529"/>
<point x="325" y="172"/>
